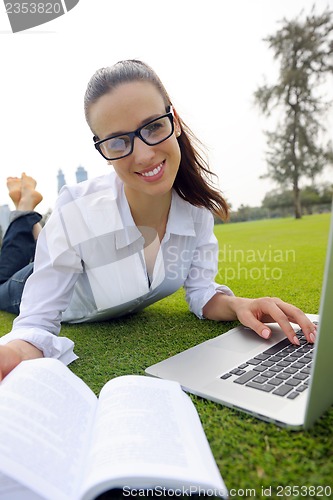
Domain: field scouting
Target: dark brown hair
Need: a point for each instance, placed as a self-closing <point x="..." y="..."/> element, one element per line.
<point x="193" y="180"/>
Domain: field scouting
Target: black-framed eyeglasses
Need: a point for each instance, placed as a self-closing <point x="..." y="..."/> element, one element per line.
<point x="151" y="133"/>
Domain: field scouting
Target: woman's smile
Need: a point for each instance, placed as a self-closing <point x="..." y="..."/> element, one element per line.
<point x="152" y="174"/>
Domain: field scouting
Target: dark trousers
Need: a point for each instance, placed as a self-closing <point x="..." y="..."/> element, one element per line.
<point x="16" y="260"/>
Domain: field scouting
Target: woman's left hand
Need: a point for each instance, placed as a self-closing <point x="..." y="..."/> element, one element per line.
<point x="254" y="313"/>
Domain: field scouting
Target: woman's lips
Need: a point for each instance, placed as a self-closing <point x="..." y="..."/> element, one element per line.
<point x="152" y="174"/>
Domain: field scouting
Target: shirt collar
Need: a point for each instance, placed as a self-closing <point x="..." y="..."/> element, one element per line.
<point x="180" y="220"/>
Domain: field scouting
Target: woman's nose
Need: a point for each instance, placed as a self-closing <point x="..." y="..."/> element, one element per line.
<point x="142" y="153"/>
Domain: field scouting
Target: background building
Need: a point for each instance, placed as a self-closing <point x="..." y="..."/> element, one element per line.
<point x="61" y="179"/>
<point x="81" y="174"/>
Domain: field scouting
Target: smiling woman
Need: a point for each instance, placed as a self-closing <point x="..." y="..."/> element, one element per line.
<point x="109" y="247"/>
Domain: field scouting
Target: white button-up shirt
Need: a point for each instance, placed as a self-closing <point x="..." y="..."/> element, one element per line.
<point x="90" y="264"/>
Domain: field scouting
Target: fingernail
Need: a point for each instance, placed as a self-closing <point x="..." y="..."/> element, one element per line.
<point x="312" y="337"/>
<point x="265" y="333"/>
<point x="296" y="341"/>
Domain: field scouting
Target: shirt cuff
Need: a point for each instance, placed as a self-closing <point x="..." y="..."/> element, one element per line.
<point x="212" y="290"/>
<point x="52" y="346"/>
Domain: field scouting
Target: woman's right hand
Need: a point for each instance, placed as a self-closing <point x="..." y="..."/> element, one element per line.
<point x="13" y="353"/>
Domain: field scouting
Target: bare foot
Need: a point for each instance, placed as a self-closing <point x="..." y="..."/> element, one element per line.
<point x="29" y="196"/>
<point x="14" y="188"/>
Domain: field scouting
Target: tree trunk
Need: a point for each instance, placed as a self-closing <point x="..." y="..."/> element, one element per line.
<point x="297" y="201"/>
<point x="296" y="191"/>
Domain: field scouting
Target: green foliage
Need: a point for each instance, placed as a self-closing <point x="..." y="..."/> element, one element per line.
<point x="250" y="454"/>
<point x="304" y="50"/>
<point x="311" y="196"/>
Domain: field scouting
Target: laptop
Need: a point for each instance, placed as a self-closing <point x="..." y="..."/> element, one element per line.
<point x="269" y="379"/>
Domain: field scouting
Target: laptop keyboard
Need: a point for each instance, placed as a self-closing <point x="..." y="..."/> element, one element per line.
<point x="283" y="369"/>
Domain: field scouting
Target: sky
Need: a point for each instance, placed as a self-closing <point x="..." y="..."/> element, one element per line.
<point x="209" y="54"/>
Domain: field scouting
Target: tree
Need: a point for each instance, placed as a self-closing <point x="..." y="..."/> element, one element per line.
<point x="304" y="50"/>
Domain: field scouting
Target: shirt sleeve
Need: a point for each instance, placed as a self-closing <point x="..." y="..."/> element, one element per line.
<point x="48" y="291"/>
<point x="200" y="285"/>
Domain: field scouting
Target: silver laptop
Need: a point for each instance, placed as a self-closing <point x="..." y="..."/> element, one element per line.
<point x="270" y="379"/>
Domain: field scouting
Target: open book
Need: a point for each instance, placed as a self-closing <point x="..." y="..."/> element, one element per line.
<point x="58" y="441"/>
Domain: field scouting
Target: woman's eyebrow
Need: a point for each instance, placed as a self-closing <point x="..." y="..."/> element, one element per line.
<point x="143" y="122"/>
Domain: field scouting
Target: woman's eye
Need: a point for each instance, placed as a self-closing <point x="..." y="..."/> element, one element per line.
<point x="117" y="144"/>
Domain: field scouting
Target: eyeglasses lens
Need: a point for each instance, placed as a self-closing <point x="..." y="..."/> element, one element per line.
<point x="156" y="131"/>
<point x="116" y="147"/>
<point x="153" y="133"/>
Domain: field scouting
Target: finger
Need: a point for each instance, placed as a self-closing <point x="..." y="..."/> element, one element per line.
<point x="272" y="313"/>
<point x="257" y="326"/>
<point x="295" y="315"/>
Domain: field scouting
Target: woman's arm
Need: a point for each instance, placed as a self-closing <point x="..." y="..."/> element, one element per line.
<point x="13" y="353"/>
<point x="211" y="301"/>
<point x="46" y="294"/>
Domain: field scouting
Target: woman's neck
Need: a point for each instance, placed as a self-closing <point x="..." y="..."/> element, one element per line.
<point x="150" y="211"/>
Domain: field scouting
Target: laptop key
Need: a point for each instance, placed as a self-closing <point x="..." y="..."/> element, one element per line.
<point x="260" y="368"/>
<point x="261" y="387"/>
<point x="262" y="356"/>
<point x="275" y="359"/>
<point x="301" y="388"/>
<point x="277" y="368"/>
<point x="236" y="371"/>
<point x="282" y="354"/>
<point x="297" y="354"/>
<point x="291" y="359"/>
<point x="293" y="395"/>
<point x="290" y="370"/>
<point x="300" y="376"/>
<point x="277" y="347"/>
<point x="282" y="390"/>
<point x="260" y="380"/>
<point x="293" y="382"/>
<point x="254" y="361"/>
<point x="225" y="376"/>
<point x="275" y="381"/>
<point x="303" y="361"/>
<point x="283" y="364"/>
<point x="268" y="363"/>
<point x="298" y="365"/>
<point x="283" y="376"/>
<point x="246" y="377"/>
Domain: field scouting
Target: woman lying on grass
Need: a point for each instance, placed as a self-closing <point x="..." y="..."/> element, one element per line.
<point x="117" y="243"/>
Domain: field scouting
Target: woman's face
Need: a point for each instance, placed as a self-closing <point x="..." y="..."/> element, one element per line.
<point x="148" y="169"/>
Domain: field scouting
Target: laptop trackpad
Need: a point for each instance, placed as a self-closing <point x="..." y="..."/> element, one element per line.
<point x="243" y="339"/>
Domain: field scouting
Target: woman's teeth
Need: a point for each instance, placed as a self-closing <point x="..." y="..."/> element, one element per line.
<point x="153" y="172"/>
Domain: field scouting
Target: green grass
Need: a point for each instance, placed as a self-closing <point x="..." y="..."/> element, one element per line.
<point x="250" y="454"/>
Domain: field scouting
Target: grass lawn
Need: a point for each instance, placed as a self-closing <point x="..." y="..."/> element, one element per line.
<point x="282" y="257"/>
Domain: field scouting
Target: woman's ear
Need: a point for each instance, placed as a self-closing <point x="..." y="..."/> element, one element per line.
<point x="176" y="122"/>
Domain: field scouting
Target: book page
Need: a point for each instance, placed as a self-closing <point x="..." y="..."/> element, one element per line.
<point x="147" y="432"/>
<point x="12" y="490"/>
<point x="46" y="417"/>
